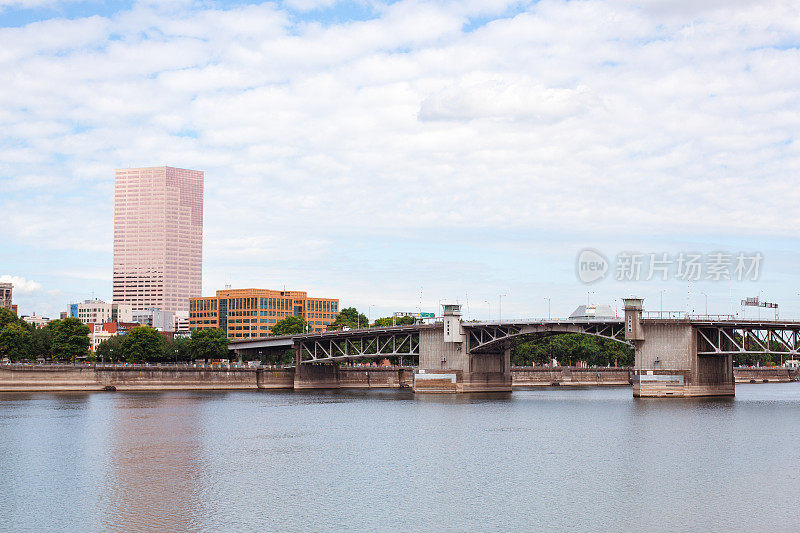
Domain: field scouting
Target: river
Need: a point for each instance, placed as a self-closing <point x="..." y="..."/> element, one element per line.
<point x="555" y="459"/>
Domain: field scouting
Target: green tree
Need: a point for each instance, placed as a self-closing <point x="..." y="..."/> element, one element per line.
<point x="349" y="317"/>
<point x="7" y="316"/>
<point x="41" y="342"/>
<point x="110" y="349"/>
<point x="290" y="325"/>
<point x="208" y="344"/>
<point x="568" y="349"/>
<point x="15" y="342"/>
<point x="178" y="349"/>
<point x="70" y="339"/>
<point x="389" y="321"/>
<point x="142" y="343"/>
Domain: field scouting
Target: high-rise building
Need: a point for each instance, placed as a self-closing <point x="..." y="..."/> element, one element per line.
<point x="158" y="237"/>
<point x="248" y="313"/>
<point x="5" y="295"/>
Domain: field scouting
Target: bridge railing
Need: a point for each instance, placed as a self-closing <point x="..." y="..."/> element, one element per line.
<point x="711" y="317"/>
<point x="669" y="315"/>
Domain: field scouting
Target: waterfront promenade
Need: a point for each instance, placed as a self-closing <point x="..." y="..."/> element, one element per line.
<point x="97" y="377"/>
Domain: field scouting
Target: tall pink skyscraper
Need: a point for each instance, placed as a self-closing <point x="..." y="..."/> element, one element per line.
<point x="158" y="237"/>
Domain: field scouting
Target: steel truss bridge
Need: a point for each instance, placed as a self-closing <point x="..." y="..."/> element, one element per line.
<point x="714" y="337"/>
<point x="375" y="343"/>
<point x="486" y="336"/>
<point x="725" y="337"/>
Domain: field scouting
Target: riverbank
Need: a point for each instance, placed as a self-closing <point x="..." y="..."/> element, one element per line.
<point x="43" y="378"/>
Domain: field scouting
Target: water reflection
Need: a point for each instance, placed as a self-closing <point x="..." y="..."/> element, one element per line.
<point x="156" y="464"/>
<point x="549" y="459"/>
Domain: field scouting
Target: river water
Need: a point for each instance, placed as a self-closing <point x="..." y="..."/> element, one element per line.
<point x="556" y="459"/>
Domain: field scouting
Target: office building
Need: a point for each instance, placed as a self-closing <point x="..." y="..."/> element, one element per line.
<point x="248" y="313"/>
<point x="156" y="319"/>
<point x="6" y="290"/>
<point x="99" y="312"/>
<point x="158" y="237"/>
<point x="181" y="323"/>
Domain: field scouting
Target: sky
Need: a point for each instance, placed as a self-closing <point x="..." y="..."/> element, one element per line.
<point x="397" y="155"/>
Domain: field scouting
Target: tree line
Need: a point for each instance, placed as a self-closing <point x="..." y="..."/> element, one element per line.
<point x="570" y="349"/>
<point x="60" y="340"/>
<point x="67" y="340"/>
<point x="144" y="344"/>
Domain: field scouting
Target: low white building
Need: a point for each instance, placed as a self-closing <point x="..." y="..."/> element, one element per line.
<point x="36" y="321"/>
<point x="182" y="323"/>
<point x="99" y="312"/>
<point x="594" y="311"/>
<point x="156" y="319"/>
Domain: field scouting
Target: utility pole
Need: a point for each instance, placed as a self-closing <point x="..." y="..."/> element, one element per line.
<point x="548" y="308"/>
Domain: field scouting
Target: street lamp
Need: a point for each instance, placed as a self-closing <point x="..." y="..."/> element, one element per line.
<point x="490" y="309"/>
<point x="661" y="309"/>
<point x="548" y="308"/>
<point x="706" y="295"/>
<point x="500" y="307"/>
<point x="588" y="303"/>
<point x="369" y="315"/>
<point x="176" y="357"/>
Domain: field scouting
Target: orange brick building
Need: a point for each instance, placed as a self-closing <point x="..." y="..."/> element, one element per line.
<point x="251" y="313"/>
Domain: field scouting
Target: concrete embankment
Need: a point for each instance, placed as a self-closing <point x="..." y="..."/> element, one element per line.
<point x="28" y="378"/>
<point x="113" y="377"/>
<point x="765" y="375"/>
<point x="39" y="378"/>
<point x="541" y="376"/>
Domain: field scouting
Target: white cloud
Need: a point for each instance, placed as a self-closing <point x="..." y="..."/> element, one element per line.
<point x="607" y="116"/>
<point x="21" y="285"/>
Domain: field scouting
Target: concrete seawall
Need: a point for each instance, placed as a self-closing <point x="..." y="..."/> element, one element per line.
<point x="41" y="378"/>
<point x="765" y="375"/>
<point x="583" y="377"/>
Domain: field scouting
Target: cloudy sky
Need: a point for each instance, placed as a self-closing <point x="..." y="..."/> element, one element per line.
<point x="396" y="153"/>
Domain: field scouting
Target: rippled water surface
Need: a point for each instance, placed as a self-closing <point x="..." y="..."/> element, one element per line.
<point x="557" y="459"/>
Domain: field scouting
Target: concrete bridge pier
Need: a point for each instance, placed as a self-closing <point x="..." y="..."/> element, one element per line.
<point x="667" y="362"/>
<point x="446" y="363"/>
<point x="325" y="376"/>
<point x="322" y="376"/>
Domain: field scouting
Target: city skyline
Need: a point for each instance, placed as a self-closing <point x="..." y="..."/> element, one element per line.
<point x="458" y="150"/>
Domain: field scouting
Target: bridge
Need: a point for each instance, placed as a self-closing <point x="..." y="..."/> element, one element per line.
<point x="675" y="355"/>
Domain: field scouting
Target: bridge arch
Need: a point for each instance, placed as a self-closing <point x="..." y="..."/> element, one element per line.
<point x="485" y="338"/>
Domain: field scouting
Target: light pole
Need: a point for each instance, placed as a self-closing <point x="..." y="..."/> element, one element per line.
<point x="588" y="303"/>
<point x="706" y="295"/>
<point x="490" y="309"/>
<point x="661" y="309"/>
<point x="500" y="307"/>
<point x="548" y="308"/>
<point x="369" y="315"/>
<point x="759" y="305"/>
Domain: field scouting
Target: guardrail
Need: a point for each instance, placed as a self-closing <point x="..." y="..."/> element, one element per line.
<point x="143" y="366"/>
